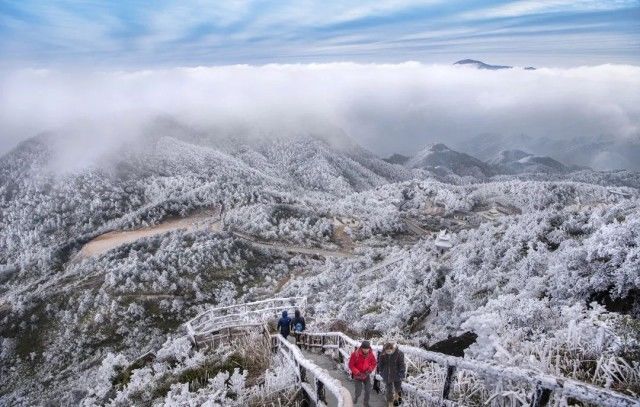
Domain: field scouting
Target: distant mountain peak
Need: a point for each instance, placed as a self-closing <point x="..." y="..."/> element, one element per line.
<point x="517" y="161"/>
<point x="437" y="147"/>
<point x="481" y="65"/>
<point x="438" y="155"/>
<point x="397" y="159"/>
<point x="440" y="158"/>
<point x="508" y="156"/>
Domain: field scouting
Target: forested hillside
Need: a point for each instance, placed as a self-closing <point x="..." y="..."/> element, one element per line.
<point x="543" y="263"/>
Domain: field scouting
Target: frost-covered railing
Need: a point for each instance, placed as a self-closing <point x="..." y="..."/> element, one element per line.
<point x="241" y="315"/>
<point x="544" y="385"/>
<point x="315" y="381"/>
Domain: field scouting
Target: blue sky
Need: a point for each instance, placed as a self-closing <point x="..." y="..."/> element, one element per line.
<point x="159" y="33"/>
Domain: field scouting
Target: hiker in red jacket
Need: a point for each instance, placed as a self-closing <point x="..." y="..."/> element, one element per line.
<point x="362" y="363"/>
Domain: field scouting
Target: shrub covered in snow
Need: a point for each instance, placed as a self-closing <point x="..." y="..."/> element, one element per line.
<point x="530" y="280"/>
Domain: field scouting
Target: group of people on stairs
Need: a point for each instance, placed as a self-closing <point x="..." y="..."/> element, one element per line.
<point x="286" y="324"/>
<point x="389" y="363"/>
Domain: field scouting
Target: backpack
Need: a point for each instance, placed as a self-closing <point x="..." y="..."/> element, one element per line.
<point x="298" y="327"/>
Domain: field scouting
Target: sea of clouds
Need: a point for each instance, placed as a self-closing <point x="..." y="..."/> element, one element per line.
<point x="387" y="108"/>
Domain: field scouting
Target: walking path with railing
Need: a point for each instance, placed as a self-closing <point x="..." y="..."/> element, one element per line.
<point x="321" y="363"/>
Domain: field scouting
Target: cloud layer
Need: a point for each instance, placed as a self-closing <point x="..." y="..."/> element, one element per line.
<point x="385" y="107"/>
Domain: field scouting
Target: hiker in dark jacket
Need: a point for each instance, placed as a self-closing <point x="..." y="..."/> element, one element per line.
<point x="284" y="324"/>
<point x="392" y="368"/>
<point x="298" y="324"/>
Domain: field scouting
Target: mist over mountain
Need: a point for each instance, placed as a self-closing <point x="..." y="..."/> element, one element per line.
<point x="599" y="152"/>
<point x="516" y="161"/>
<point x="132" y="201"/>
<point x="102" y="261"/>
<point x="457" y="183"/>
<point x="438" y="155"/>
<point x="591" y="118"/>
<point x="440" y="159"/>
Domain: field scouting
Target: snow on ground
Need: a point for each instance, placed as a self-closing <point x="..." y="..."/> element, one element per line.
<point x="549" y="282"/>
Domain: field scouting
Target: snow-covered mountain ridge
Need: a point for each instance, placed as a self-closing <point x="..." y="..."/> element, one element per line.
<point x="541" y="260"/>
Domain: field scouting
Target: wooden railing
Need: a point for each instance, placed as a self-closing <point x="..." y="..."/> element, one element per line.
<point x="317" y="383"/>
<point x="250" y="314"/>
<point x="544" y="385"/>
<point x="226" y="323"/>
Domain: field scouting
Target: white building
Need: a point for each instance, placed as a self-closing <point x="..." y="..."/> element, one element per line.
<point x="443" y="241"/>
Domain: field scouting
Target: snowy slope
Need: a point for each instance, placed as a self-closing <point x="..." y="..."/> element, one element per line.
<point x="522" y="280"/>
<point x="594" y="152"/>
<point x="518" y="161"/>
<point x="437" y="156"/>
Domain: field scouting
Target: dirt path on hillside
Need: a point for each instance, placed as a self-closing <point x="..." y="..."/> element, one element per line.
<point x="384" y="263"/>
<point x="203" y="221"/>
<point x="108" y="241"/>
<point x="413" y="227"/>
<point x="72" y="280"/>
<point x="342" y="239"/>
<point x="292" y="249"/>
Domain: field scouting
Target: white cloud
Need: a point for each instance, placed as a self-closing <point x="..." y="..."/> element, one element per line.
<point x="526" y="7"/>
<point x="177" y="20"/>
<point x="386" y="107"/>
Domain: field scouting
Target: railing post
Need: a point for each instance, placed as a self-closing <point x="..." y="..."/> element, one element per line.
<point x="303" y="373"/>
<point x="540" y="396"/>
<point x="320" y="391"/>
<point x="340" y="357"/>
<point x="323" y="340"/>
<point x="447" y="382"/>
<point x="192" y="334"/>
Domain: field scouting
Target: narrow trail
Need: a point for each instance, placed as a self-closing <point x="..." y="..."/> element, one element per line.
<point x="111" y="240"/>
<point x="292" y="249"/>
<point x="322" y="361"/>
<point x="414" y="228"/>
<point x="384" y="263"/>
<point x="69" y="279"/>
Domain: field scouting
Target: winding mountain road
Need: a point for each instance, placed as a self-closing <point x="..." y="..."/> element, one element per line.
<point x="292" y="249"/>
<point x="111" y="240"/>
<point x="413" y="227"/>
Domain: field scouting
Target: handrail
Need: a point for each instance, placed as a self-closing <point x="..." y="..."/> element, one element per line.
<point x="282" y="299"/>
<point x="255" y="315"/>
<point x="544" y="383"/>
<point x="293" y="301"/>
<point x="322" y="378"/>
<point x="252" y="313"/>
